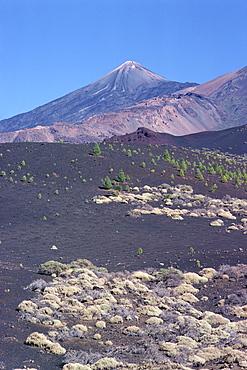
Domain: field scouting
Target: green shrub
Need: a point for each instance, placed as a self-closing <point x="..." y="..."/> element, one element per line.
<point x="143" y="164"/>
<point x="23" y="163"/>
<point x="213" y="188"/>
<point x="24" y="178"/>
<point x="52" y="267"/>
<point x="3" y="173"/>
<point x="119" y="187"/>
<point x="139" y="251"/>
<point x="56" y="192"/>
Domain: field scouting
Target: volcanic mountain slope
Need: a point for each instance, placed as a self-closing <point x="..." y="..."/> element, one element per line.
<point x="120" y="88"/>
<point x="177" y="114"/>
<point x="232" y="140"/>
<point x="230" y="91"/>
<point x="215" y="105"/>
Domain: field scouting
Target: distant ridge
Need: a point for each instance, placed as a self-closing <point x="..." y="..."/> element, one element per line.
<point x="122" y="87"/>
<point x="232" y="140"/>
<point x="130" y="97"/>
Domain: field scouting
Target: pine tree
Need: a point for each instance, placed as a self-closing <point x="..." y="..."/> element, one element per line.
<point x="199" y="175"/>
<point x="96" y="149"/>
<point x="181" y="172"/>
<point x="107" y="183"/>
<point x="166" y="156"/>
<point x="121" y="176"/>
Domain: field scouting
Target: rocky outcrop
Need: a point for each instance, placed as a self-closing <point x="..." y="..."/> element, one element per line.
<point x="111" y="308"/>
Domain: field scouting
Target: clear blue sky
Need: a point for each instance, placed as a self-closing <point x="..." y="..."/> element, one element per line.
<point x="49" y="48"/>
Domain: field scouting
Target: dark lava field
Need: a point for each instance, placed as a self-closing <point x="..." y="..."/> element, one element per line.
<point x="49" y="212"/>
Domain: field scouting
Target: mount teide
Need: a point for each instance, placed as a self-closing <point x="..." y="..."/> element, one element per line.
<point x="123" y="87"/>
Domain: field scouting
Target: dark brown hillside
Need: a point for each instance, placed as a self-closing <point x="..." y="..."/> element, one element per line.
<point x="233" y="140"/>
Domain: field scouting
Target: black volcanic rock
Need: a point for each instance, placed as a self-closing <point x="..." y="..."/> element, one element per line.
<point x="124" y="86"/>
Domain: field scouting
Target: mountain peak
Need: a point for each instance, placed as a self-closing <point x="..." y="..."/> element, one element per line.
<point x="130" y="76"/>
<point x="124" y="86"/>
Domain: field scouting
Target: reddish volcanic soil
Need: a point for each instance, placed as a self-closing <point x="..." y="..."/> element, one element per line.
<point x="104" y="234"/>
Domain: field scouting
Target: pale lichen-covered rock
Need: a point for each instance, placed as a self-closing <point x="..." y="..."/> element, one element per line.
<point x="40" y="340"/>
<point x="186" y="288"/>
<point x="202" y="326"/>
<point x="76" y="366"/>
<point x="238" y="327"/>
<point x="209" y="339"/>
<point x="217" y="222"/>
<point x="208" y="272"/>
<point x="169" y="348"/>
<point x="193" y="214"/>
<point x="142" y="276"/>
<point x="242" y="338"/>
<point x="107" y="296"/>
<point x="150" y="310"/>
<point x="117" y="319"/>
<point x="72" y="302"/>
<point x="80" y="327"/>
<point x="106" y="363"/>
<point x="154" y="321"/>
<point x="26" y="368"/>
<point x="97" y="336"/>
<point x="215" y="319"/>
<point x="68" y="291"/>
<point x="45" y="311"/>
<point x="233" y="227"/>
<point x="100" y="324"/>
<point x="197" y="360"/>
<point x="188" y="297"/>
<point x="50" y="290"/>
<point x="226" y="214"/>
<point x="210" y="353"/>
<point x="95" y="312"/>
<point x="193" y="278"/>
<point x="187" y="341"/>
<point x="27" y="306"/>
<point x="132" y="329"/>
<point x="139" y="287"/>
<point x="220" y="333"/>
